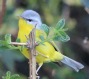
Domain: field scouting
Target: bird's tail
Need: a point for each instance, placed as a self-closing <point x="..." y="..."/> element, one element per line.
<point x="72" y="63"/>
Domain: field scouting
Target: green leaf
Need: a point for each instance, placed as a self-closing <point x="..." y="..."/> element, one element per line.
<point x="45" y="28"/>
<point x="9" y="76"/>
<point x="42" y="37"/>
<point x="62" y="36"/>
<point x="17" y="40"/>
<point x="15" y="76"/>
<point x="7" y="41"/>
<point x="8" y="38"/>
<point x="60" y="24"/>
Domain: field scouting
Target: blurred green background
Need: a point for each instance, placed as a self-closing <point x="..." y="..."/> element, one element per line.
<point x="51" y="11"/>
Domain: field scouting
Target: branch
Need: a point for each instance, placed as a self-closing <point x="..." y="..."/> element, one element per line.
<point x="2" y="11"/>
<point x="32" y="53"/>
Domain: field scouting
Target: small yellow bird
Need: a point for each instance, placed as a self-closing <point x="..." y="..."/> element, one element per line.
<point x="46" y="52"/>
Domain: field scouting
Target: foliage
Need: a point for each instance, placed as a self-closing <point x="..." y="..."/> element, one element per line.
<point x="45" y="28"/>
<point x="58" y="32"/>
<point x="7" y="42"/>
<point x="9" y="76"/>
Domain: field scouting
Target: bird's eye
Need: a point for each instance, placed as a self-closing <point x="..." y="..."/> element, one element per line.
<point x="29" y="20"/>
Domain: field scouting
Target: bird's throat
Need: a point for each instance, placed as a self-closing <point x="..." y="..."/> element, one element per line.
<point x="24" y="30"/>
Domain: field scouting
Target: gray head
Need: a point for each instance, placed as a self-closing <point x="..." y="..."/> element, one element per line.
<point x="32" y="17"/>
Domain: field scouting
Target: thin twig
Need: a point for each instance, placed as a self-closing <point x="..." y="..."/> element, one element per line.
<point x="22" y="44"/>
<point x="16" y="43"/>
<point x="2" y="11"/>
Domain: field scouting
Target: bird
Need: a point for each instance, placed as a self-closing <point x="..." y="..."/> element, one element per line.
<point x="47" y="51"/>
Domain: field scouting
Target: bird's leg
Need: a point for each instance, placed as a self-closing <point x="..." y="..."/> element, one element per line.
<point x="38" y="69"/>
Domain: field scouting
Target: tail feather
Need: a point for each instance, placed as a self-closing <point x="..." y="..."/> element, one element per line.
<point x="72" y="63"/>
